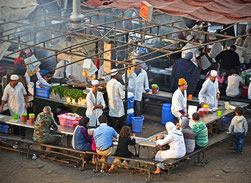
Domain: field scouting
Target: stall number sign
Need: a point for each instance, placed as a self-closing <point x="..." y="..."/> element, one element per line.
<point x="146" y="10"/>
<point x="107" y="55"/>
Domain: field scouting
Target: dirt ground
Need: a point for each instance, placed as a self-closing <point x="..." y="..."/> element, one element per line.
<point x="224" y="166"/>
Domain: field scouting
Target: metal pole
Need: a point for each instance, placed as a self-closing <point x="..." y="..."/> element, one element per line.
<point x="126" y="94"/>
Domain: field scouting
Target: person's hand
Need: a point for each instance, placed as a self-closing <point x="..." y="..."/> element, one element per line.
<point x="218" y="96"/>
<point x="228" y="133"/>
<point x="202" y="103"/>
<point x="26" y="105"/>
<point x="223" y="74"/>
<point x="147" y="93"/>
<point x="178" y="126"/>
<point x="186" y="115"/>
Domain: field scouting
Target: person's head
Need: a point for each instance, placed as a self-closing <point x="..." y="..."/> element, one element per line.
<point x="233" y="47"/>
<point x="239" y="111"/>
<point x="170" y="127"/>
<point x="213" y="75"/>
<point x="85" y="121"/>
<point x="138" y="68"/>
<point x="47" y="110"/>
<point x="114" y="73"/>
<point x="95" y="86"/>
<point x="188" y="56"/>
<point x="14" y="80"/>
<point x="182" y="84"/>
<point x="234" y="70"/>
<point x="215" y="66"/>
<point x="196" y="116"/>
<point x="184" y="122"/>
<point x="102" y="119"/>
<point x="125" y="131"/>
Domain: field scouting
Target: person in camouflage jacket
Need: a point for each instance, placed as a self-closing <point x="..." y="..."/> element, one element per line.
<point x="44" y="122"/>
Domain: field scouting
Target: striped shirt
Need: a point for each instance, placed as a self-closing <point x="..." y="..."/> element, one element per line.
<point x="200" y="133"/>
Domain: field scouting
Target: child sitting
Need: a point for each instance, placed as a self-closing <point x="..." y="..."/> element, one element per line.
<point x="240" y="126"/>
<point x="200" y="132"/>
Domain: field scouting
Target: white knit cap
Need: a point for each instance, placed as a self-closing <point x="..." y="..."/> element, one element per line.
<point x="114" y="72"/>
<point x="14" y="77"/>
<point x="213" y="73"/>
<point x="189" y="37"/>
<point x="95" y="82"/>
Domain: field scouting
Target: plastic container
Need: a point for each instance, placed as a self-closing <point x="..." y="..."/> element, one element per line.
<point x="219" y="113"/>
<point x="24" y="117"/>
<point x="65" y="121"/>
<point x="190" y="97"/>
<point x="130" y="115"/>
<point x="137" y="124"/>
<point x="43" y="92"/>
<point x="166" y="113"/>
<point x="205" y="107"/>
<point x="4" y="129"/>
<point x="15" y="116"/>
<point x="155" y="89"/>
<point x="201" y="112"/>
<point x="31" y="118"/>
<point x="244" y="91"/>
<point x="130" y="100"/>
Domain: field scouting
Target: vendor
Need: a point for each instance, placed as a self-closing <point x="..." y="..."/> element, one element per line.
<point x="209" y="93"/>
<point x="179" y="100"/>
<point x="95" y="104"/>
<point x="16" y="96"/>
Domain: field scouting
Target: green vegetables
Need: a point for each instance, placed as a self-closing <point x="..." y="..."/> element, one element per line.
<point x="67" y="92"/>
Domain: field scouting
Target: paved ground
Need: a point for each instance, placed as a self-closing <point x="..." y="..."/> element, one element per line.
<point x="224" y="166"/>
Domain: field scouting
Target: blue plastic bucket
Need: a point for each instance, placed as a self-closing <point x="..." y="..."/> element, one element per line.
<point x="167" y="113"/>
<point x="130" y="100"/>
<point x="130" y="115"/>
<point x="137" y="124"/>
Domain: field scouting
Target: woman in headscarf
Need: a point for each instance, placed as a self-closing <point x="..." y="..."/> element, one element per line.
<point x="188" y="134"/>
<point x="176" y="142"/>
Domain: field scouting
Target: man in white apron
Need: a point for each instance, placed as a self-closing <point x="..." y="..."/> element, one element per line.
<point x="16" y="96"/>
<point x="95" y="104"/>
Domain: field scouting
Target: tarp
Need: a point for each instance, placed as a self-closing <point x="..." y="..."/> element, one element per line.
<point x="218" y="11"/>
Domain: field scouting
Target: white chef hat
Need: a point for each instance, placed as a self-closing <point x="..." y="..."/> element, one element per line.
<point x="212" y="37"/>
<point x="213" y="73"/>
<point x="114" y="72"/>
<point x="95" y="82"/>
<point x="189" y="37"/>
<point x="14" y="77"/>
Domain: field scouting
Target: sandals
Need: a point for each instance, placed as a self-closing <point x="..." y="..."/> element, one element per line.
<point x="112" y="170"/>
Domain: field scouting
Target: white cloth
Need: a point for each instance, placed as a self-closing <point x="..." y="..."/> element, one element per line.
<point x="15" y="98"/>
<point x="89" y="67"/>
<point x="60" y="72"/>
<point x="215" y="50"/>
<point x="138" y="84"/>
<point x="208" y="93"/>
<point x="91" y="113"/>
<point x="249" y="91"/>
<point x="179" y="102"/>
<point x="176" y="142"/>
<point x="195" y="52"/>
<point x="76" y="71"/>
<point x="115" y="96"/>
<point x="30" y="84"/>
<point x="101" y="74"/>
<point x="233" y="83"/>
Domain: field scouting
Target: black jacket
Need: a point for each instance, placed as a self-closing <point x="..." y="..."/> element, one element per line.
<point x="228" y="59"/>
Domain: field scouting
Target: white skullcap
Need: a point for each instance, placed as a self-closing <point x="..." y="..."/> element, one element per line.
<point x="213" y="73"/>
<point x="95" y="82"/>
<point x="114" y="72"/>
<point x="189" y="37"/>
<point x="14" y="77"/>
<point x="212" y="37"/>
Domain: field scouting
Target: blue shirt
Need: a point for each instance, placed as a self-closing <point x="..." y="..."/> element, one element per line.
<point x="103" y="136"/>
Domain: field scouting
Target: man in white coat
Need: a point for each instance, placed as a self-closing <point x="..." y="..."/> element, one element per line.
<point x="179" y="100"/>
<point x="137" y="84"/>
<point x="16" y="96"/>
<point x="95" y="104"/>
<point x="115" y="100"/>
<point x="209" y="93"/>
<point x="216" y="48"/>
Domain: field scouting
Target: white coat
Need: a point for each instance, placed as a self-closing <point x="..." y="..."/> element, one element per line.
<point x="179" y="102"/>
<point x="176" y="142"/>
<point x="138" y="84"/>
<point x="91" y="113"/>
<point x="76" y="71"/>
<point x="30" y="84"/>
<point x="15" y="98"/>
<point x="215" y="50"/>
<point x="115" y="96"/>
<point x="208" y="93"/>
<point x="195" y="52"/>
